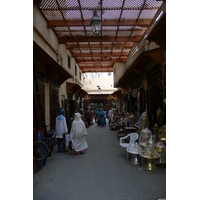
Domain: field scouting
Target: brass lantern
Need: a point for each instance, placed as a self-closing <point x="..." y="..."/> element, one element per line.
<point x="96" y="23"/>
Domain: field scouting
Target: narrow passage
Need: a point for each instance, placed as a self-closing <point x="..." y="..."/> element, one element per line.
<point x="99" y="173"/>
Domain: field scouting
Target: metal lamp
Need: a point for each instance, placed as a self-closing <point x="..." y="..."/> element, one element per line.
<point x="99" y="89"/>
<point x="96" y="23"/>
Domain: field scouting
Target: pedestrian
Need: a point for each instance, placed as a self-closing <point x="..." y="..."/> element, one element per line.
<point x="70" y="123"/>
<point x="91" y="114"/>
<point x="127" y="119"/>
<point x="95" y="115"/>
<point x="84" y="121"/>
<point x="110" y="114"/>
<point x="60" y="130"/>
<point x="105" y="114"/>
<point x="98" y="117"/>
<point x="88" y="117"/>
<point x="77" y="134"/>
<point x="101" y="113"/>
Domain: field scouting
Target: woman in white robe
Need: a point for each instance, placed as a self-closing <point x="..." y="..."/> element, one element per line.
<point x="78" y="133"/>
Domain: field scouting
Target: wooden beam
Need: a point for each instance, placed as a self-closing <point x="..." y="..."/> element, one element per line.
<point x="97" y="70"/>
<point x="95" y="67"/>
<point x="92" y="8"/>
<point x="111" y="60"/>
<point x="142" y="23"/>
<point x="94" y="62"/>
<point x="98" y="46"/>
<point x="99" y="55"/>
<point x="64" y="40"/>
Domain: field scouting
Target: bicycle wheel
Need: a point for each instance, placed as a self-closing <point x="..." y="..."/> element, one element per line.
<point x="40" y="151"/>
<point x="49" y="144"/>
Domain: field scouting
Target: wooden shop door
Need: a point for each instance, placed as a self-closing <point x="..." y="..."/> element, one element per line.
<point x="54" y="103"/>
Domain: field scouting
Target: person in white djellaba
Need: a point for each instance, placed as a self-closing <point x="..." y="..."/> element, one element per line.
<point x="61" y="130"/>
<point x="78" y="134"/>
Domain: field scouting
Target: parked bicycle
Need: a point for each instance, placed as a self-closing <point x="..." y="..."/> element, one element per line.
<point x="40" y="150"/>
<point x="50" y="141"/>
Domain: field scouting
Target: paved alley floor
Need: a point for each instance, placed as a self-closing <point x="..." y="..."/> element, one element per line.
<point x="98" y="174"/>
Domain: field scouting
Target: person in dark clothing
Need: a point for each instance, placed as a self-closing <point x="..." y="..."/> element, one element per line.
<point x="88" y="117"/>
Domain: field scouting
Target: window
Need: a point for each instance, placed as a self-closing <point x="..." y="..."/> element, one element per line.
<point x="75" y="70"/>
<point x="69" y="62"/>
<point x="135" y="49"/>
<point x="69" y="95"/>
<point x="80" y="76"/>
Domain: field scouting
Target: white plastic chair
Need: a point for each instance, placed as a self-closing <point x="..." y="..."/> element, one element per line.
<point x="133" y="138"/>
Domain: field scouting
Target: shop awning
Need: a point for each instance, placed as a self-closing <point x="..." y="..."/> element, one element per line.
<point x="128" y="79"/>
<point x="81" y="92"/>
<point x="158" y="33"/>
<point x="139" y="67"/>
<point x="53" y="69"/>
<point x="72" y="87"/>
<point x="145" y="57"/>
<point x="117" y="93"/>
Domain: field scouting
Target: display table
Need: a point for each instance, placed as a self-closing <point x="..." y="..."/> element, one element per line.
<point x="130" y="130"/>
<point x="120" y="133"/>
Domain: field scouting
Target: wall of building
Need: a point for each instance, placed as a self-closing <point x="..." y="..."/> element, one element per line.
<point x="47" y="104"/>
<point x="118" y="71"/>
<point x="90" y="83"/>
<point x="49" y="42"/>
